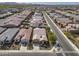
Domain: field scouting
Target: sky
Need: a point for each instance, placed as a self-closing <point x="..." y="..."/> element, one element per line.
<point x="20" y="1"/>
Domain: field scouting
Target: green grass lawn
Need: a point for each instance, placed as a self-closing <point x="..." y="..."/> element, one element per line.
<point x="13" y="6"/>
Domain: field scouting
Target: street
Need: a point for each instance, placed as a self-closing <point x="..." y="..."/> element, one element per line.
<point x="66" y="44"/>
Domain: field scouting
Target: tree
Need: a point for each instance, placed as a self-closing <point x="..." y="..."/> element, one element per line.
<point x="52" y="37"/>
<point x="48" y="29"/>
<point x="69" y="35"/>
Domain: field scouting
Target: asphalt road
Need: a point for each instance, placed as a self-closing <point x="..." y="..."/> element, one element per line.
<point x="66" y="44"/>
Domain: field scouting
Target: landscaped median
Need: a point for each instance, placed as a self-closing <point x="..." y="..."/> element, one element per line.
<point x="51" y="36"/>
<point x="73" y="37"/>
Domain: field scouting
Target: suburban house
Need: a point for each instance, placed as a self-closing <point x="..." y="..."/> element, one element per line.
<point x="5" y="14"/>
<point x="52" y="14"/>
<point x="63" y="21"/>
<point x="36" y="20"/>
<point x="39" y="35"/>
<point x="27" y="36"/>
<point x="7" y="36"/>
<point x="72" y="27"/>
<point x="20" y="34"/>
<point x="15" y="20"/>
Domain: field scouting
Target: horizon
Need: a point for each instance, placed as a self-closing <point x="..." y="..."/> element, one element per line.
<point x="47" y="3"/>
